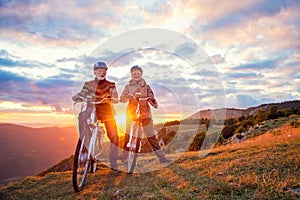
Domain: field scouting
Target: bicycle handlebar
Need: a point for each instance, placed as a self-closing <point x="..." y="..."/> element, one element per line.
<point x="139" y="98"/>
<point x="99" y="102"/>
<point x="92" y="102"/>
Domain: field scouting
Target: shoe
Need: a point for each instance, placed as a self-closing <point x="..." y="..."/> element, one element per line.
<point x="116" y="170"/>
<point x="164" y="160"/>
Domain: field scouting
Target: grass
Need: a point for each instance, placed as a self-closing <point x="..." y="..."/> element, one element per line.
<point x="266" y="167"/>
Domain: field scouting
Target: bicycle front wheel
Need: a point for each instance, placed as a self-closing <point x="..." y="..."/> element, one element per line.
<point x="133" y="155"/>
<point x="80" y="166"/>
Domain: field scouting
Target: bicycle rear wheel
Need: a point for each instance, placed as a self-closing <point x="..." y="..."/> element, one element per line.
<point x="133" y="155"/>
<point x="80" y="166"/>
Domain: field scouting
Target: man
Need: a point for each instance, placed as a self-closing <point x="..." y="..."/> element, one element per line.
<point x="98" y="89"/>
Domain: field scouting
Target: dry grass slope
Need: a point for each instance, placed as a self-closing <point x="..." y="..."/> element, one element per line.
<point x="266" y="167"/>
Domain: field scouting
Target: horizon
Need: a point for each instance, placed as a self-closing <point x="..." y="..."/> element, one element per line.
<point x="122" y="127"/>
<point x="195" y="56"/>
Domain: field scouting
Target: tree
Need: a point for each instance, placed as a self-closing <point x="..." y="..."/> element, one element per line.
<point x="261" y="116"/>
<point x="228" y="131"/>
<point x="230" y="121"/>
<point x="247" y="122"/>
<point x="273" y="112"/>
<point x="207" y="122"/>
<point x="241" y="118"/>
<point x="197" y="142"/>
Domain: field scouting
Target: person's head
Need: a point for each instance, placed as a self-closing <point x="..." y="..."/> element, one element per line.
<point x="136" y="73"/>
<point x="100" y="69"/>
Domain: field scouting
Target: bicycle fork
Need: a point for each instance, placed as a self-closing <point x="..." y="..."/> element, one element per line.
<point x="92" y="146"/>
<point x="133" y="137"/>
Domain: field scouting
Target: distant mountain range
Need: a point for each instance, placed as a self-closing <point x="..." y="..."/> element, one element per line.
<point x="27" y="151"/>
<point x="234" y="112"/>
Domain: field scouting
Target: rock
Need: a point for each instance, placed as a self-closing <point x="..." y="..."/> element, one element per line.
<point x="295" y="192"/>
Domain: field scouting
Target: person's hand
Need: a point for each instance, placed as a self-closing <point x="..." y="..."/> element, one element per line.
<point x="123" y="99"/>
<point x="153" y="103"/>
<point x="109" y="97"/>
<point x="137" y="95"/>
<point x="77" y="98"/>
<point x="74" y="98"/>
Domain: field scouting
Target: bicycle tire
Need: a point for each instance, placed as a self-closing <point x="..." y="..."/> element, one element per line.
<point x="133" y="155"/>
<point x="81" y="165"/>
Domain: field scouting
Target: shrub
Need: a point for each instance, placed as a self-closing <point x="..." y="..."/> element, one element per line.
<point x="240" y="129"/>
<point x="228" y="131"/>
<point x="197" y="142"/>
<point x="295" y="123"/>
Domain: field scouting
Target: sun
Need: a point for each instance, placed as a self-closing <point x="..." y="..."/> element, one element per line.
<point x="121" y="120"/>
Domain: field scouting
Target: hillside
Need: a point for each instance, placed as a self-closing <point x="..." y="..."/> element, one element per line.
<point x="27" y="151"/>
<point x="234" y="112"/>
<point x="265" y="167"/>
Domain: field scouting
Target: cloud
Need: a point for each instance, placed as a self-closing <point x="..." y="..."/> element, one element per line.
<point x="54" y="22"/>
<point x="142" y="13"/>
<point x="254" y="45"/>
<point x="217" y="59"/>
<point x="259" y="46"/>
<point x="260" y="28"/>
<point x="242" y="75"/>
<point x="30" y="69"/>
<point x="8" y="76"/>
<point x="187" y="49"/>
<point x="4" y="54"/>
<point x="8" y="62"/>
<point x="14" y="87"/>
<point x="257" y="65"/>
<point x="53" y="91"/>
<point x="127" y="59"/>
<point x="246" y="101"/>
<point x="230" y="17"/>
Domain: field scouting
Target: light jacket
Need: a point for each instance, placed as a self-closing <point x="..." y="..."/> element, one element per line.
<point x="145" y="91"/>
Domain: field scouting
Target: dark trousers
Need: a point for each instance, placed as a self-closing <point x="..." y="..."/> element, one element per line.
<point x="111" y="131"/>
<point x="147" y="125"/>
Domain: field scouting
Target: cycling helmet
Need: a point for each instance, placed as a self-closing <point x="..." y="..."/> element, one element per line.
<point x="100" y="65"/>
<point x="136" y="67"/>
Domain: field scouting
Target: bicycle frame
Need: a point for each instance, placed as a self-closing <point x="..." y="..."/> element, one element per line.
<point x="96" y="128"/>
<point x="136" y="123"/>
<point x="135" y="132"/>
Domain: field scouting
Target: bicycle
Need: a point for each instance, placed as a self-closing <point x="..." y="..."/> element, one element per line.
<point x="89" y="145"/>
<point x="134" y="144"/>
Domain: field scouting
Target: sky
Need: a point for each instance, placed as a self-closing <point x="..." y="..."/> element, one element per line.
<point x="196" y="55"/>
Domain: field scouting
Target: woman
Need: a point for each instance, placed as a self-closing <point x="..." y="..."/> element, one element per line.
<point x="137" y="88"/>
